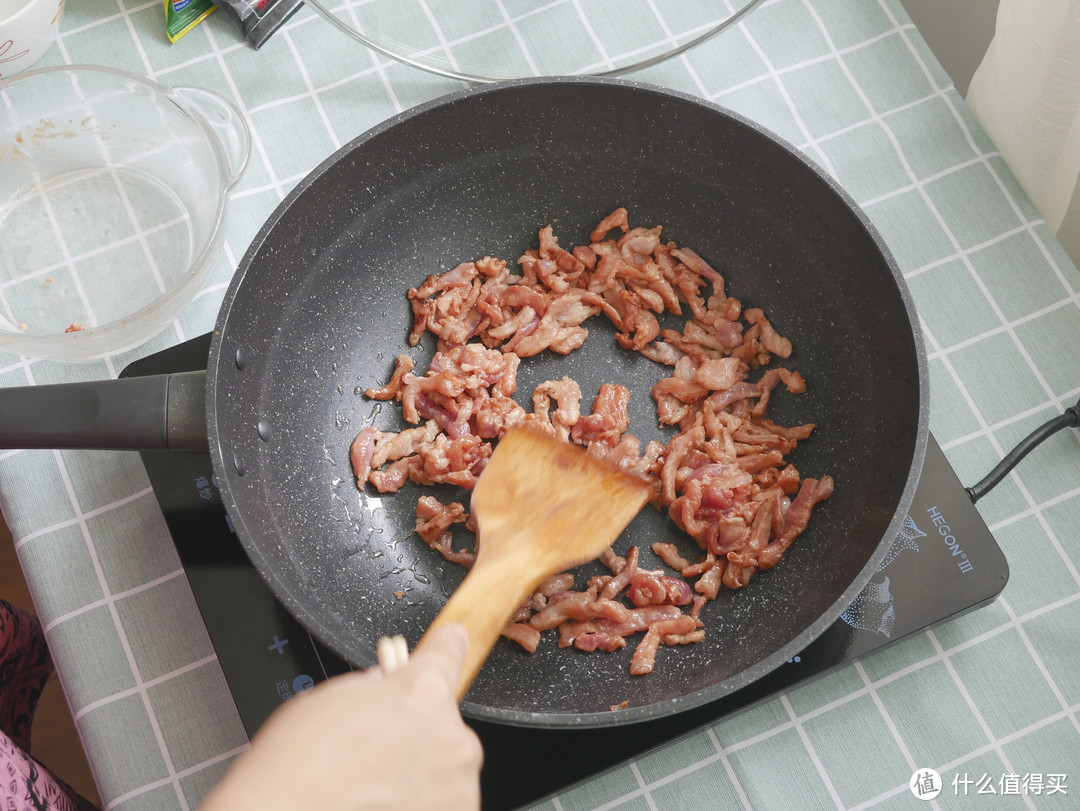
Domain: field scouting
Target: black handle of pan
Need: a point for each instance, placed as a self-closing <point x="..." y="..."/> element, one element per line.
<point x="156" y="412"/>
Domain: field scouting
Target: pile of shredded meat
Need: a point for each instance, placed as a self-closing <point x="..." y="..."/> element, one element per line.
<point x="723" y="478"/>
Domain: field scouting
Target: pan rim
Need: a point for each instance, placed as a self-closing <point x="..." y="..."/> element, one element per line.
<point x="296" y="605"/>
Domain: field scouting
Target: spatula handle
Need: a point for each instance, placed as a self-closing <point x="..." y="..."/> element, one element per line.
<point x="484" y="602"/>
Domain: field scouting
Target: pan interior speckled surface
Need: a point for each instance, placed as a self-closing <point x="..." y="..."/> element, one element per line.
<point x="318" y="312"/>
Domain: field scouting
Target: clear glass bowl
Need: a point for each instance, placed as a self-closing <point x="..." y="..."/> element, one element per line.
<point x="491" y="40"/>
<point x="112" y="195"/>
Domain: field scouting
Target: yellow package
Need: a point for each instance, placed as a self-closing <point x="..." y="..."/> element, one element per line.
<point x="183" y="15"/>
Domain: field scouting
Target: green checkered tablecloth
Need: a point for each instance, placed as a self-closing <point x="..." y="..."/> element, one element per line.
<point x="981" y="699"/>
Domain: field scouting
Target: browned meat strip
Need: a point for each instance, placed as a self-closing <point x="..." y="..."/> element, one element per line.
<point x="796" y="519"/>
<point x="616" y="219"/>
<point x="614" y="587"/>
<point x="443" y="545"/>
<point x="403" y="366"/>
<point x="522" y="633"/>
<point x="577" y="605"/>
<point x="433" y="518"/>
<point x="669" y="553"/>
<point x="361" y="451"/>
<point x="609" y="419"/>
<point x="644" y="658"/>
<point x="654" y="588"/>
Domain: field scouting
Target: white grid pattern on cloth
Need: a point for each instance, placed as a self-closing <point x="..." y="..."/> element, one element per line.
<point x="110" y="602"/>
<point x="174" y="779"/>
<point x="216" y="50"/>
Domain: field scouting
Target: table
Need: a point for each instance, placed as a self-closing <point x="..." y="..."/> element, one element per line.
<point x="988" y="700"/>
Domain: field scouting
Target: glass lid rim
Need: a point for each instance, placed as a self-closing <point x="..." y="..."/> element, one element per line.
<point x="321" y="7"/>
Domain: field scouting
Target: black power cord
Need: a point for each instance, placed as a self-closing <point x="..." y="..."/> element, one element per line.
<point x="1070" y="419"/>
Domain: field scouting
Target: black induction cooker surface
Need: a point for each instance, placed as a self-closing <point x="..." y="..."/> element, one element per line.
<point x="943" y="562"/>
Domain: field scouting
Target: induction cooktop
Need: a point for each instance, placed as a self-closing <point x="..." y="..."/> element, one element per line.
<point x="943" y="562"/>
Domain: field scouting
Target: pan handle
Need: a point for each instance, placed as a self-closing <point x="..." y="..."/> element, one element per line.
<point x="152" y="413"/>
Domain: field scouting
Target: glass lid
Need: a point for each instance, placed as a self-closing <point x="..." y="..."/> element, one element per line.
<point x="489" y="40"/>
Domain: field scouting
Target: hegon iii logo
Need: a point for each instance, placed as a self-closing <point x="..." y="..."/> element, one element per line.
<point x="945" y="531"/>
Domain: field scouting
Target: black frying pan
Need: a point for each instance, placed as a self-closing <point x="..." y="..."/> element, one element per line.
<point x="317" y="312"/>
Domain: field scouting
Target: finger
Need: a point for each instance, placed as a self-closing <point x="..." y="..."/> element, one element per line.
<point x="392" y="652"/>
<point x="401" y="650"/>
<point x="443" y="654"/>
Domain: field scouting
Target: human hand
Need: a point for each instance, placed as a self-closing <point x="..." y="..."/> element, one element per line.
<point x="365" y="740"/>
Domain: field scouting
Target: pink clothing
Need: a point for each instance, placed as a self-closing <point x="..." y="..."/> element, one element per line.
<point x="26" y="785"/>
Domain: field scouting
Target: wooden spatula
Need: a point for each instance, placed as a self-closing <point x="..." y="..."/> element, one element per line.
<point x="541" y="506"/>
